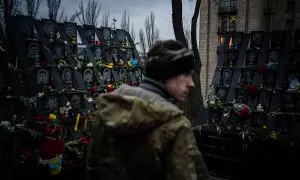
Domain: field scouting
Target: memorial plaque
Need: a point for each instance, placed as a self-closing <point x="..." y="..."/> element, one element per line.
<point x="215" y="116"/>
<point x="273" y="56"/>
<point x="241" y="96"/>
<point x="121" y="36"/>
<point x="226" y="76"/>
<point x="115" y="74"/>
<point x="76" y="101"/>
<point x="81" y="52"/>
<point x="246" y="77"/>
<point x="98" y="53"/>
<point x="43" y="76"/>
<point x="70" y="30"/>
<point x="138" y="75"/>
<point x="264" y="99"/>
<point x="237" y="40"/>
<point x="34" y="52"/>
<point x="106" y="34"/>
<point x="52" y="103"/>
<point x="106" y="74"/>
<point x="256" y="39"/>
<point x="122" y="73"/>
<point x="49" y="28"/>
<point x="287" y="102"/>
<point x="67" y="76"/>
<point x="107" y="54"/>
<point x="88" y="76"/>
<point x="222" y="93"/>
<point x="90" y="33"/>
<point x="252" y="57"/>
<point x="232" y="57"/>
<point x="129" y="54"/>
<point x="114" y="55"/>
<point x="59" y="51"/>
<point x="269" y="79"/>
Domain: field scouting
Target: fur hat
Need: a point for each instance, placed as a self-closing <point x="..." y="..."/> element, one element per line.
<point x="167" y="59"/>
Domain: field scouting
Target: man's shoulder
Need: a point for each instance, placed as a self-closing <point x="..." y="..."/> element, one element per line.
<point x="154" y="98"/>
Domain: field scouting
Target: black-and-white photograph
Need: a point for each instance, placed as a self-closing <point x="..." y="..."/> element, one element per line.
<point x="115" y="55"/>
<point x="106" y="34"/>
<point x="33" y="50"/>
<point x="106" y="74"/>
<point x="70" y="30"/>
<point x="98" y="53"/>
<point x="129" y="54"/>
<point x="138" y="75"/>
<point x="67" y="76"/>
<point x="76" y="101"/>
<point x="43" y="76"/>
<point x="122" y="73"/>
<point x="88" y="76"/>
<point x="226" y="77"/>
<point x="52" y="103"/>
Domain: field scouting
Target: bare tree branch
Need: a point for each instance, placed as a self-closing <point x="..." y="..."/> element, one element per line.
<point x="105" y="19"/>
<point x="132" y="32"/>
<point x="12" y="8"/>
<point x="152" y="33"/>
<point x="53" y="8"/>
<point x="32" y="7"/>
<point x="90" y="13"/>
<point x="125" y="22"/>
<point x="142" y="43"/>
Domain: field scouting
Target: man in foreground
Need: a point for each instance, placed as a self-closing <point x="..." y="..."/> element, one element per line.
<point x="138" y="134"/>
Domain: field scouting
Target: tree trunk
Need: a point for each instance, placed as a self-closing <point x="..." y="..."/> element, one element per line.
<point x="177" y="21"/>
<point x="196" y="99"/>
<point x="196" y="96"/>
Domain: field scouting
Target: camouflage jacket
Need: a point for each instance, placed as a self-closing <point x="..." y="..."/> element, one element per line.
<point x="138" y="135"/>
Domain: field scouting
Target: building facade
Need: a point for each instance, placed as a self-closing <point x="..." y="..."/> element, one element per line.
<point x="220" y="17"/>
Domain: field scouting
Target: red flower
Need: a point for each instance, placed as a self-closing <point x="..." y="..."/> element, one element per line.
<point x="252" y="90"/>
<point x="84" y="140"/>
<point x="50" y="148"/>
<point x="109" y="88"/>
<point x="243" y="113"/>
<point x="262" y="68"/>
<point x="97" y="43"/>
<point x="92" y="90"/>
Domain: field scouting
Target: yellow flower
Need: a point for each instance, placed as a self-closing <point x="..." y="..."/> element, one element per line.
<point x="52" y="117"/>
<point x="129" y="64"/>
<point x="110" y="65"/>
<point x="264" y="127"/>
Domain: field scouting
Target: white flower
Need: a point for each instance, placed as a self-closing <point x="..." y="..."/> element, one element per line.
<point x="90" y="64"/>
<point x="212" y="102"/>
<point x="90" y="99"/>
<point x="41" y="94"/>
<point x="226" y="114"/>
<point x="75" y="68"/>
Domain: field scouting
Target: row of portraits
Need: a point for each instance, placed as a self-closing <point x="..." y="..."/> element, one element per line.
<point x="90" y="75"/>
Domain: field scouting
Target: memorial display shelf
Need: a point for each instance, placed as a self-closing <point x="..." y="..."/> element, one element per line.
<point x="54" y="73"/>
<point x="252" y="109"/>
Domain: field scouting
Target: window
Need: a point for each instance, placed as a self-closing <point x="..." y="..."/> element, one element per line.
<point x="224" y="23"/>
<point x="227" y="6"/>
<point x="227" y="23"/>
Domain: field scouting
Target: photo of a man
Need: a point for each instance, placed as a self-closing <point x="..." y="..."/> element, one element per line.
<point x="88" y="75"/>
<point x="67" y="76"/>
<point x="42" y="76"/>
